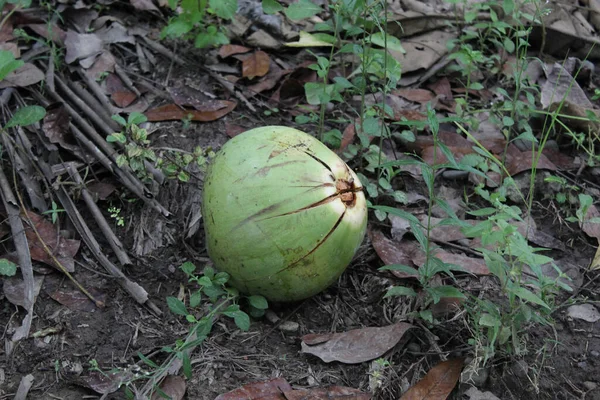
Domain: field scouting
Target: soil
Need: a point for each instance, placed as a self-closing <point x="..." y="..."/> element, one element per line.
<point x="559" y="362"/>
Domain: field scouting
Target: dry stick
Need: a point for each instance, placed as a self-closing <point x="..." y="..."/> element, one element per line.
<point x="105" y="151"/>
<point x="222" y="81"/>
<point x="108" y="129"/>
<point x="126" y="80"/>
<point x="25" y="170"/>
<point x="20" y="240"/>
<point x="98" y="92"/>
<point x="58" y="264"/>
<point x="95" y="104"/>
<point x="113" y="241"/>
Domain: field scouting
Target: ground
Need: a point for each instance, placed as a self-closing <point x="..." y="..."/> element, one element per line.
<point x="560" y="361"/>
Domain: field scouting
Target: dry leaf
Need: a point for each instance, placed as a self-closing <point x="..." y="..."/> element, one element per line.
<point x="355" y="346"/>
<point x="107" y="382"/>
<point x="269" y="390"/>
<point x="81" y="45"/>
<point x="71" y="297"/>
<point x="438" y="383"/>
<point x="592" y="229"/>
<point x="63" y="249"/>
<point x="170" y="112"/>
<point x="14" y="289"/>
<point x="173" y="386"/>
<point x="586" y="312"/>
<point x="257" y="64"/>
<point x="144" y="5"/>
<point x="231" y="49"/>
<point x="27" y="74"/>
<point x="328" y="393"/>
<point x="392" y="252"/>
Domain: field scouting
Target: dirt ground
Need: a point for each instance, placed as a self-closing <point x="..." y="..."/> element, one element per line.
<point x="561" y="362"/>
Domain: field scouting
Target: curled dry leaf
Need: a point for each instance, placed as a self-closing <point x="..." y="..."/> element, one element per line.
<point x="170" y="112"/>
<point x="438" y="383"/>
<point x="257" y="64"/>
<point x="355" y="346"/>
<point x="173" y="386"/>
<point x="268" y="390"/>
<point x="63" y="249"/>
<point x="231" y="49"/>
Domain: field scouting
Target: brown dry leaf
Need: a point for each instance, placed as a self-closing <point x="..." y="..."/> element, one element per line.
<point x="268" y="390"/>
<point x="446" y="306"/>
<point x="104" y="63"/>
<point x="268" y="82"/>
<point x="519" y="161"/>
<point x="231" y="49"/>
<point x="71" y="297"/>
<point x="473" y="265"/>
<point x="81" y="45"/>
<point x="423" y="51"/>
<point x="27" y="74"/>
<point x="123" y="99"/>
<point x="14" y="289"/>
<point x="560" y="85"/>
<point x="257" y="64"/>
<point x="442" y="87"/>
<point x="393" y="252"/>
<point x="347" y="136"/>
<point x="173" y="386"/>
<point x="170" y="112"/>
<point x="438" y="383"/>
<point x="56" y="123"/>
<point x="328" y="393"/>
<point x="355" y="346"/>
<point x="596" y="261"/>
<point x="63" y="249"/>
<point x="232" y="130"/>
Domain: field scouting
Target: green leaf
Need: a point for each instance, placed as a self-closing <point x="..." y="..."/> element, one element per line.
<point x="26" y="116"/>
<point x="176" y="28"/>
<point x="271" y="6"/>
<point x="489" y="320"/>
<point x="7" y="267"/>
<point x="117" y="137"/>
<point x="399" y="213"/>
<point x="187" y="364"/>
<point x="8" y="63"/>
<point x="379" y="39"/>
<point x="529" y="296"/>
<point x="301" y="10"/>
<point x="195" y="298"/>
<point x="188" y="267"/>
<point x="445" y="291"/>
<point x="146" y="360"/>
<point x="258" y="302"/>
<point x="120" y="120"/>
<point x="242" y="320"/>
<point x="223" y="8"/>
<point x="483" y="212"/>
<point x="183" y="176"/>
<point x="399" y="267"/>
<point x="136" y="118"/>
<point x="176" y="306"/>
<point x="400" y="291"/>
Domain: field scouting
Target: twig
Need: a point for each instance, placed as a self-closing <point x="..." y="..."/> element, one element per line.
<point x="24" y="387"/>
<point x="23" y="254"/>
<point x="98" y="92"/>
<point x="123" y="75"/>
<point x="112" y="239"/>
<point x="95" y="104"/>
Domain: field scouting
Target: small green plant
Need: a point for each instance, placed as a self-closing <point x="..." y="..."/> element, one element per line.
<point x="54" y="212"/>
<point x="137" y="151"/>
<point x="7" y="267"/>
<point x="200" y="20"/>
<point x="209" y="299"/>
<point x="115" y="213"/>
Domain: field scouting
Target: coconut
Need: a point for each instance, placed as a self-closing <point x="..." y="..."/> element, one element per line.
<point x="283" y="214"/>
